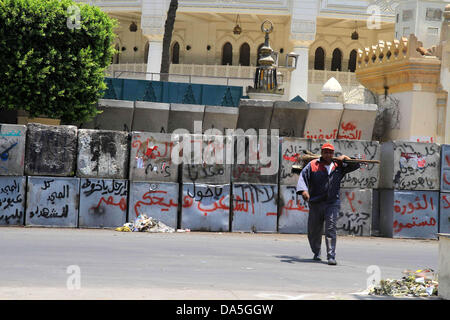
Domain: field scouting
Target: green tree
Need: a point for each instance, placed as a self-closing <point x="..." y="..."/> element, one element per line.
<point x="53" y="55"/>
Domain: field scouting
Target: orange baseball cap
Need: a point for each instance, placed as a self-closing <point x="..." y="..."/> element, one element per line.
<point x="328" y="146"/>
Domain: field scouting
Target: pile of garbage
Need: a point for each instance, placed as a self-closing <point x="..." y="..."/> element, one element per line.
<point x="420" y="283"/>
<point x="148" y="224"/>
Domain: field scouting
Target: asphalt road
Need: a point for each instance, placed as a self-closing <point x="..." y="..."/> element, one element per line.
<point x="114" y="265"/>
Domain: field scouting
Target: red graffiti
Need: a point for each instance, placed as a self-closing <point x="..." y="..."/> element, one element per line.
<point x="447" y="158"/>
<point x="154" y="199"/>
<point x="292" y="205"/>
<point x="110" y="201"/>
<point x="252" y="171"/>
<point x="189" y="201"/>
<point x="294" y="158"/>
<point x="349" y="131"/>
<point x="412" y="207"/>
<point x="447" y="201"/>
<point x="445" y="179"/>
<point x="151" y="152"/>
<point x="322" y="135"/>
<point x="348" y="127"/>
<point x="398" y="226"/>
<point x="350" y="197"/>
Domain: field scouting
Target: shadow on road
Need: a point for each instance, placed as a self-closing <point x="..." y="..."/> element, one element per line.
<point x="291" y="259"/>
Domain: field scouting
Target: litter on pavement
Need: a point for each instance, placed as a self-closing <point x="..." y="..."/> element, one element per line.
<point x="420" y="283"/>
<point x="148" y="224"/>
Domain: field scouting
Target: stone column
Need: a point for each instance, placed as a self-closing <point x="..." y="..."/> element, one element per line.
<point x="299" y="77"/>
<point x="154" y="59"/>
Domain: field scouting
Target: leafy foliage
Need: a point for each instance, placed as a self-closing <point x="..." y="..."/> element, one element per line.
<point x="49" y="67"/>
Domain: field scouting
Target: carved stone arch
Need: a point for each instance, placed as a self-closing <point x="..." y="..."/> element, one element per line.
<point x="337" y="58"/>
<point x="177" y="38"/>
<point x="118" y="46"/>
<point x="219" y="46"/>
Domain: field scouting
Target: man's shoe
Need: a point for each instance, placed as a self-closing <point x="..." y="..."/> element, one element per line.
<point x="332" y="262"/>
<point x="316" y="258"/>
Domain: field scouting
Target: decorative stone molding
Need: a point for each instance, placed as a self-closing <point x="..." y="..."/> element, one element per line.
<point x="399" y="66"/>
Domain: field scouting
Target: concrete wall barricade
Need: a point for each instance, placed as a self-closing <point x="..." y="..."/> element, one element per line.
<point x="355" y="214"/>
<point x="293" y="211"/>
<point x="368" y="176"/>
<point x="289" y="118"/>
<point x="151" y="157"/>
<point x="323" y="120"/>
<point x="116" y="115"/>
<point x="444" y="266"/>
<point x="444" y="213"/>
<point x="154" y="199"/>
<point x="52" y="202"/>
<point x="103" y="203"/>
<point x="12" y="149"/>
<point x="205" y="207"/>
<point x="259" y="163"/>
<point x="102" y="154"/>
<point x="445" y="168"/>
<point x="290" y="147"/>
<point x="220" y="118"/>
<point x="50" y="150"/>
<point x="151" y="117"/>
<point x="409" y="214"/>
<point x="205" y="162"/>
<point x="357" y="122"/>
<point x="183" y="116"/>
<point x="12" y="200"/>
<point x="410" y="166"/>
<point x="254" y="207"/>
<point x="254" y="114"/>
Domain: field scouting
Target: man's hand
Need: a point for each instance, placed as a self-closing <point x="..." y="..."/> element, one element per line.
<point x="305" y="195"/>
<point x="342" y="158"/>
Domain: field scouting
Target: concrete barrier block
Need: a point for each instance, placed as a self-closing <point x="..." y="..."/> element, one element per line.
<point x="366" y="177"/>
<point x="294" y="211"/>
<point x="220" y="118"/>
<point x="102" y="154"/>
<point x="12" y="200"/>
<point x="151" y="117"/>
<point x="355" y="214"/>
<point x="254" y="207"/>
<point x="357" y="122"/>
<point x="290" y="147"/>
<point x="409" y="214"/>
<point x="52" y="202"/>
<point x="289" y="118"/>
<point x="410" y="166"/>
<point x="445" y="168"/>
<point x="323" y="120"/>
<point x="376" y="213"/>
<point x="116" y="115"/>
<point x="50" y="150"/>
<point x="444" y="213"/>
<point x="103" y="203"/>
<point x="256" y="160"/>
<point x="156" y="200"/>
<point x="206" y="162"/>
<point x="205" y="207"/>
<point x="151" y="157"/>
<point x="12" y="149"/>
<point x="183" y="116"/>
<point x="254" y="114"/>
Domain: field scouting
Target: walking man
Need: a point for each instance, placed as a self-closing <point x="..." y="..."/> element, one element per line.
<point x="319" y="184"/>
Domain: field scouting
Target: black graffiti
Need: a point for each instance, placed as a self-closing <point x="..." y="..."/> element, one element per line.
<point x="14" y="187"/>
<point x="116" y="187"/>
<point x="47" y="213"/>
<point x="198" y="171"/>
<point x="165" y="169"/>
<point x="10" y="201"/>
<point x="210" y="192"/>
<point x="430" y="149"/>
<point x="47" y="184"/>
<point x="59" y="195"/>
<point x="352" y="223"/>
<point x="258" y="193"/>
<point x="364" y="182"/>
<point x="413" y="183"/>
<point x="17" y="216"/>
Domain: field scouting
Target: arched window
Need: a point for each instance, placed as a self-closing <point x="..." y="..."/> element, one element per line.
<point x="147" y="45"/>
<point x="352" y="61"/>
<point x="258" y="55"/>
<point x="319" y="59"/>
<point x="176" y="53"/>
<point x="336" y="62"/>
<point x="227" y="54"/>
<point x="244" y="54"/>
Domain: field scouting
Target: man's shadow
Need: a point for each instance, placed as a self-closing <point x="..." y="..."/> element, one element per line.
<point x="291" y="259"/>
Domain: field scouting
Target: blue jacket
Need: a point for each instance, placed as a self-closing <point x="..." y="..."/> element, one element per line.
<point x="323" y="187"/>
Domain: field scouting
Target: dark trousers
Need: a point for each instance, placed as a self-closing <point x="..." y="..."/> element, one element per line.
<point x="318" y="214"/>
